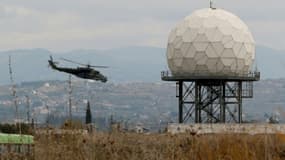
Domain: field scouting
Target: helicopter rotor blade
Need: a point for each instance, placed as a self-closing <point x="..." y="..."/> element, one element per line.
<point x="67" y="60"/>
<point x="97" y="66"/>
<point x="87" y="65"/>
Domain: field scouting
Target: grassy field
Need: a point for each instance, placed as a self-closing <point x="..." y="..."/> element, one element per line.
<point x="125" y="146"/>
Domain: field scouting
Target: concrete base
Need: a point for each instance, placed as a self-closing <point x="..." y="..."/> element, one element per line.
<point x="227" y="128"/>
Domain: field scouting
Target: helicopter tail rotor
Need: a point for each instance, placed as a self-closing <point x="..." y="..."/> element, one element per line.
<point x="52" y="64"/>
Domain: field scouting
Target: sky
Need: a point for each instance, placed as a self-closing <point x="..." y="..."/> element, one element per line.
<point x="64" y="25"/>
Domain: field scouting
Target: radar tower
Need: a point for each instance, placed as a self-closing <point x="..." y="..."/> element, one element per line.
<point x="212" y="67"/>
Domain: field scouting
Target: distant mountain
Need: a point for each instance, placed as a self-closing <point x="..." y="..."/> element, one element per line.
<point x="126" y="64"/>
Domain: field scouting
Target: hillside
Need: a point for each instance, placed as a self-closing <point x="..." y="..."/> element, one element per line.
<point x="150" y="104"/>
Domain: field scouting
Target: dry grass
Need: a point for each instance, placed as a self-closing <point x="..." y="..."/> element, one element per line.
<point x="124" y="146"/>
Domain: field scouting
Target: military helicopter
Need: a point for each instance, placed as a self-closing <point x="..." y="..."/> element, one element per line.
<point x="86" y="72"/>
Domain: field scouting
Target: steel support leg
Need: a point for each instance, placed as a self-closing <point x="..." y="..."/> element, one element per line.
<point x="196" y="103"/>
<point x="239" y="102"/>
<point x="180" y="101"/>
<point x="222" y="103"/>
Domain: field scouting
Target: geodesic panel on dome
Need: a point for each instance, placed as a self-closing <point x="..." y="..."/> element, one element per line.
<point x="210" y="41"/>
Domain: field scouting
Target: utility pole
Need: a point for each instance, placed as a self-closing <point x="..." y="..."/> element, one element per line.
<point x="28" y="108"/>
<point x="69" y="97"/>
<point x="15" y="97"/>
<point x="47" y="120"/>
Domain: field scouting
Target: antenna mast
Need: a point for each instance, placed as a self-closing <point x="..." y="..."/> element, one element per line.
<point x="211" y="4"/>
<point x="15" y="97"/>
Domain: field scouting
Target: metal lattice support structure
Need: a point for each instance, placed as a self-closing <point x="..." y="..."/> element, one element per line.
<point x="218" y="100"/>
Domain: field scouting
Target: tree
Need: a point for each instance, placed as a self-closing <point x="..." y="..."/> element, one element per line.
<point x="88" y="117"/>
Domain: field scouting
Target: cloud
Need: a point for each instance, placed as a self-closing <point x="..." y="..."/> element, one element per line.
<point x="60" y="36"/>
<point x="72" y="24"/>
<point x="12" y="11"/>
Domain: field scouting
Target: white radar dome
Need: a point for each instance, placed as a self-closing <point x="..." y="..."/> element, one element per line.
<point x="210" y="42"/>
